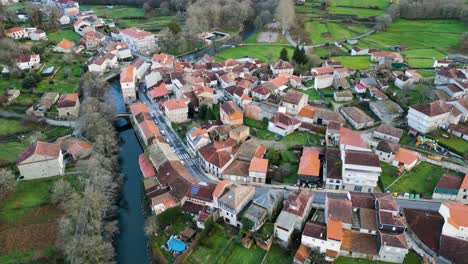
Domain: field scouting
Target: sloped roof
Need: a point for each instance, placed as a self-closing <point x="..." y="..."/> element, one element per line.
<point x="389" y="130"/>
<point x="67" y="100"/>
<point x="405" y="156"/>
<point x="339" y="210"/>
<point x="258" y="165"/>
<point x="66" y="44"/>
<point x="433" y="109"/>
<point x="50" y="150"/>
<point x="236" y="195"/>
<point x="309" y="164"/>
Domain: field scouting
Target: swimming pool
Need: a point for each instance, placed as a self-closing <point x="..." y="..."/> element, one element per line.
<point x="176" y="245"/>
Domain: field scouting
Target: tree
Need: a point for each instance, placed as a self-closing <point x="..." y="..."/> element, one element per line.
<point x="191" y="110"/>
<point x="174" y="27"/>
<point x="35" y="136"/>
<point x="210" y="114"/>
<point x="313" y="60"/>
<point x="382" y="22"/>
<point x="284" y="54"/>
<point x="274" y="156"/>
<point x="464" y="43"/>
<point x="285" y="14"/>
<point x="29" y="82"/>
<point x="202" y="111"/>
<point x="7" y="182"/>
<point x="324" y="4"/>
<point x="147" y="9"/>
<point x="61" y="192"/>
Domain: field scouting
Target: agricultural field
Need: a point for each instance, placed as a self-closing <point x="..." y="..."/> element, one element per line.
<point x="326" y="32"/>
<point x="355" y="62"/>
<point x="69" y="34"/>
<point x="129" y="16"/>
<point x="266" y="53"/>
<point x="358" y="12"/>
<point x="380" y="4"/>
<point x="423" y="40"/>
<point x="29" y="222"/>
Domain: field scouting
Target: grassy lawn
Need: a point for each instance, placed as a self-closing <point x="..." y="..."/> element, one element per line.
<point x="421" y="179"/>
<point x="11" y="126"/>
<point x="355" y="62"/>
<point x="266" y="53"/>
<point x="259" y="129"/>
<point x="312" y="93"/>
<point x="302" y="138"/>
<point x="411" y="258"/>
<point x="361" y="3"/>
<point x="26" y="256"/>
<point x="69" y="34"/>
<point x="425" y="35"/>
<point x="29" y="196"/>
<point x="130" y="16"/>
<point x="9" y="151"/>
<point x="459" y="145"/>
<point x="420" y="58"/>
<point x="359" y="12"/>
<point x="277" y="255"/>
<point x="222" y="248"/>
<point x="389" y="174"/>
<point x="325" y="32"/>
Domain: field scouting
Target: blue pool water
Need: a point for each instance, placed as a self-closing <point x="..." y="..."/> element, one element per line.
<point x="176" y="245"/>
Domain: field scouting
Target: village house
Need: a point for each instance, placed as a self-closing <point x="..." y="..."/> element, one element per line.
<point x="360" y="170"/>
<point x="163" y="60"/>
<point x="213" y="160"/>
<point x="356" y="117"/>
<point x="356" y="51"/>
<point x="138" y="40"/>
<point x="450" y="75"/>
<point x="457" y="90"/>
<point x="64" y="20"/>
<point x="231" y="114"/>
<point x="264" y="207"/>
<point x="323" y="77"/>
<point x="128" y="84"/>
<point x="231" y="199"/>
<point x="28" y="61"/>
<point x="145" y="128"/>
<point x="386" y="110"/>
<point x="176" y="110"/>
<point x="388" y="133"/>
<point x="455" y="220"/>
<point x="64" y="46"/>
<point x="343" y="96"/>
<point x="196" y="138"/>
<point x="386" y="151"/>
<point x="295" y="212"/>
<point x="441" y="64"/>
<point x="258" y="170"/>
<point x="141" y="67"/>
<point x="382" y="56"/>
<point x="68" y="105"/>
<point x="163" y="202"/>
<point x="308" y="172"/>
<point x="45" y="103"/>
<point x="281" y="66"/>
<point x="294" y="102"/>
<point x="199" y="196"/>
<point x="40" y="160"/>
<point x="16" y="33"/>
<point x="452" y="188"/>
<point x="261" y="92"/>
<point x="403" y="82"/>
<point x="462" y="106"/>
<point x="427" y="117"/>
<point x="120" y="49"/>
<point x="278" y="84"/>
<point x="283" y="124"/>
<point x="331" y="171"/>
<point x="405" y="159"/>
<point x="38" y="34"/>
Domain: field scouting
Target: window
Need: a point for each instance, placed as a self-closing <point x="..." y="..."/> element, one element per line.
<point x="465" y="197"/>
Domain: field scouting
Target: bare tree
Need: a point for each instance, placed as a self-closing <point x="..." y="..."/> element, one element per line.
<point x="35" y="136"/>
<point x="382" y="22"/>
<point x="7" y="182"/>
<point x="285" y="14"/>
<point x="61" y="192"/>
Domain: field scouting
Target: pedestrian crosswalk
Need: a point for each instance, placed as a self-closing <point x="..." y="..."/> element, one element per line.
<point x="183" y="156"/>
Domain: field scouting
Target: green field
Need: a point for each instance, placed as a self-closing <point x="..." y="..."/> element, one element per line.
<point x="302" y="139"/>
<point x="327" y="32"/>
<point x="277" y="255"/>
<point x="421" y="179"/>
<point x="361" y="3"/>
<point x="266" y="53"/>
<point x="252" y="39"/>
<point x="129" y="16"/>
<point x="69" y="34"/>
<point x="419" y="58"/>
<point x="453" y="143"/>
<point x="312" y="93"/>
<point x="355" y="62"/>
<point x="431" y="38"/>
<point x="389" y="174"/>
<point x="11" y="126"/>
<point x="359" y="12"/>
<point x="222" y="248"/>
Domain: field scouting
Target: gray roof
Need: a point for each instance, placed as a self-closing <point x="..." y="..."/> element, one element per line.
<point x="270" y="199"/>
<point x="286" y="220"/>
<point x="256" y="213"/>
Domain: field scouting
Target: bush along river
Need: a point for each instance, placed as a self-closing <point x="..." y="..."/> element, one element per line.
<point x="132" y="243"/>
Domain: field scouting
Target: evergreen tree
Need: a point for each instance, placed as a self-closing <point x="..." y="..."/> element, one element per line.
<point x="284" y="54"/>
<point x="296" y="55"/>
<point x="303" y="55"/>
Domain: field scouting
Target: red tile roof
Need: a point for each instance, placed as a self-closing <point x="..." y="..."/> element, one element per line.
<point x="297" y="202"/>
<point x="66" y="44"/>
<point x="405" y="156"/>
<point x="172" y="104"/>
<point x="339" y="210"/>
<point x="50" y="150"/>
<point x="309" y="164"/>
<point x="258" y="165"/>
<point x="352" y="138"/>
<point x="293" y="97"/>
<point x="159" y="91"/>
<point x="215" y="157"/>
<point x="220" y="187"/>
<point x="67" y="100"/>
<point x="146" y="167"/>
<point x="136" y="33"/>
<point x="458" y="214"/>
<point x="334" y="230"/>
<point x="128" y="74"/>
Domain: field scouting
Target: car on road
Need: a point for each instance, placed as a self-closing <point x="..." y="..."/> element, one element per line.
<point x="163" y="132"/>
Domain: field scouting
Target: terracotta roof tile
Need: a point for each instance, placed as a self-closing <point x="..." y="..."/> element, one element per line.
<point x="258" y="165"/>
<point x="334" y="230"/>
<point x="220" y="187"/>
<point x="67" y="100"/>
<point x="405" y="156"/>
<point x="50" y="150"/>
<point x="146" y="167"/>
<point x="309" y="164"/>
<point x="66" y="44"/>
<point x="128" y="74"/>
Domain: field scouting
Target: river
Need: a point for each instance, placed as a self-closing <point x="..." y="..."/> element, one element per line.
<point x="131" y="245"/>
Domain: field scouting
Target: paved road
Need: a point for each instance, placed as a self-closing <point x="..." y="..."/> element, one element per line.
<point x="173" y="140"/>
<point x="418" y="204"/>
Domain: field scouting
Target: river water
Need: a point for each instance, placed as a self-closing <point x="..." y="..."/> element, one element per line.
<point x="131" y="245"/>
